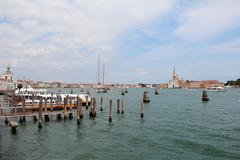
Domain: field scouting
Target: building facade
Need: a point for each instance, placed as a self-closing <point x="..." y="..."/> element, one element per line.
<point x="201" y="84"/>
<point x="174" y="82"/>
<point x="6" y="80"/>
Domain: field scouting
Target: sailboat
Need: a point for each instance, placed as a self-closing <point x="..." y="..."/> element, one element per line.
<point x="100" y="87"/>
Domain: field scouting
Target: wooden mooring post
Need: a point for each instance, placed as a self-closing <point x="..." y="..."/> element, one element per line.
<point x="65" y="103"/>
<point x="146" y="97"/>
<point x="101" y="104"/>
<point x="78" y="115"/>
<point x="15" y="104"/>
<point x="70" y="116"/>
<point x="51" y="102"/>
<point x="70" y="104"/>
<point x="93" y="112"/>
<point x="46" y="115"/>
<point x="13" y="126"/>
<point x="80" y="108"/>
<point x="118" y="106"/>
<point x="58" y="100"/>
<point x="33" y="97"/>
<point x="40" y="114"/>
<point x="45" y="104"/>
<point x="122" y="106"/>
<point x="23" y="118"/>
<point x="205" y="96"/>
<point x="6" y="121"/>
<point x="122" y="92"/>
<point x="87" y="103"/>
<point x="110" y="111"/>
<point x="142" y="109"/>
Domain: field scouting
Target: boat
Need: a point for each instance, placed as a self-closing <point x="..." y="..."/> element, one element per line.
<point x="215" y="88"/>
<point x="100" y="87"/>
<point x="33" y="96"/>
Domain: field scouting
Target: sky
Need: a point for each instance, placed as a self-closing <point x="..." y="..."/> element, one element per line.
<point x="139" y="41"/>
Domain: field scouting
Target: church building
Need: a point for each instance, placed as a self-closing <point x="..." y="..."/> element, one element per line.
<point x="174" y="82"/>
<point x="6" y="80"/>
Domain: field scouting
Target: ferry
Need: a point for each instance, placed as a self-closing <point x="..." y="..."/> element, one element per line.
<point x="214" y="88"/>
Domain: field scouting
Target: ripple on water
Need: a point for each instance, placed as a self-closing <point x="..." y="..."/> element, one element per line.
<point x="205" y="149"/>
<point x="176" y="125"/>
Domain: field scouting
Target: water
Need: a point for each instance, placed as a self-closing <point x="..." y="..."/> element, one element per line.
<point x="176" y="125"/>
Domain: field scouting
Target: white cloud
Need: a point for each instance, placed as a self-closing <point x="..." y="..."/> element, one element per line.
<point x="43" y="30"/>
<point x="140" y="72"/>
<point x="232" y="47"/>
<point x="208" y="18"/>
<point x="88" y="23"/>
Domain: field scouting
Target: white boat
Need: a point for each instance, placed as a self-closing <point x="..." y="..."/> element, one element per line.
<point x="102" y="90"/>
<point x="100" y="87"/>
<point x="29" y="94"/>
<point x="74" y="97"/>
<point x="214" y="88"/>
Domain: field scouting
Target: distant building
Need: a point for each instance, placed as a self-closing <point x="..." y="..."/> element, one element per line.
<point x="6" y="80"/>
<point x="190" y="84"/>
<point x="8" y="75"/>
<point x="174" y="82"/>
<point x="163" y="85"/>
<point x="143" y="85"/>
<point x="55" y="85"/>
<point x="211" y="83"/>
<point x="201" y="84"/>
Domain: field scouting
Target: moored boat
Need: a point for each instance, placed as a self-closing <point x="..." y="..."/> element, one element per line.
<point x="215" y="88"/>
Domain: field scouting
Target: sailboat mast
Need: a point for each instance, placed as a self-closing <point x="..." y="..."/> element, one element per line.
<point x="98" y="68"/>
<point x="103" y="72"/>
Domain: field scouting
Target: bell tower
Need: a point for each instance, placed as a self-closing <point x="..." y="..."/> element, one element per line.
<point x="8" y="75"/>
<point x="174" y="76"/>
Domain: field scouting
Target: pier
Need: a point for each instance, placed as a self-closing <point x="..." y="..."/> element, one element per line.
<point x="25" y="105"/>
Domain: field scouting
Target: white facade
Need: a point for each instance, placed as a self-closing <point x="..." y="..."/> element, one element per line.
<point x="6" y="84"/>
<point x="6" y="80"/>
<point x="174" y="82"/>
<point x="8" y="75"/>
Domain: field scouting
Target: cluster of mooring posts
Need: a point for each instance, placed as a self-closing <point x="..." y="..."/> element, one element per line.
<point x="118" y="108"/>
<point x="19" y="108"/>
<point x="124" y="91"/>
<point x="45" y="112"/>
<point x="64" y="109"/>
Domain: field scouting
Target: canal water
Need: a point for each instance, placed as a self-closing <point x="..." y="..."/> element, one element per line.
<point x="176" y="125"/>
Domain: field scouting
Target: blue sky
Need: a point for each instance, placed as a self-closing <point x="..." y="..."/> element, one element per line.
<point x="139" y="40"/>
